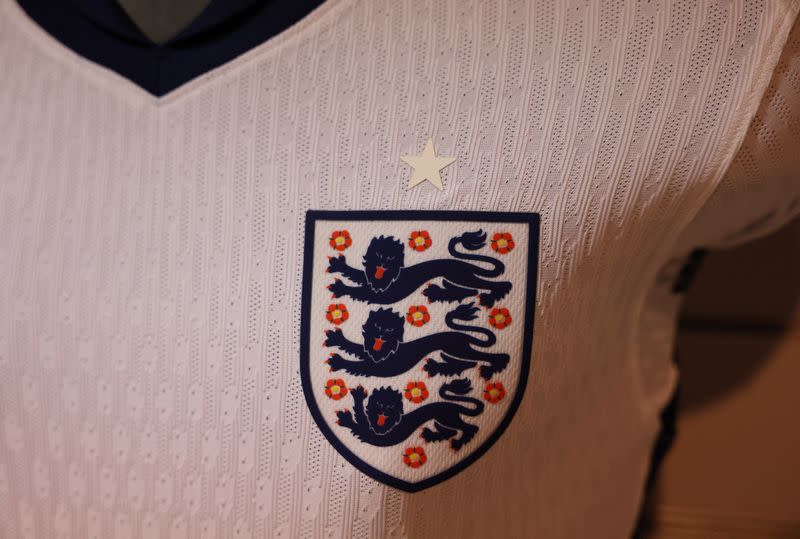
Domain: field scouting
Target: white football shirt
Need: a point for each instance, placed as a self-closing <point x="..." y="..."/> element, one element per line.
<point x="155" y="254"/>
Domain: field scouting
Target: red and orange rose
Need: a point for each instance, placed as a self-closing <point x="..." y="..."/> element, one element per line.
<point x="416" y="392"/>
<point x="494" y="392"/>
<point x="337" y="313"/>
<point x="418" y="315"/>
<point x="414" y="457"/>
<point x="340" y="240"/>
<point x="499" y="318"/>
<point x="419" y="240"/>
<point x="335" y="388"/>
<point x="502" y="242"/>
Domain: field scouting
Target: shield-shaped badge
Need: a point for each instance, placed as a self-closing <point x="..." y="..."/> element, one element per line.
<point x="416" y="335"/>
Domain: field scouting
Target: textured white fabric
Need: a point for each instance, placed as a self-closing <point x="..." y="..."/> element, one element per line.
<point x="760" y="191"/>
<point x="151" y="253"/>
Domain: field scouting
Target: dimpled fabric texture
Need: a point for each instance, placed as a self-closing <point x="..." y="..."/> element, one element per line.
<point x="151" y="254"/>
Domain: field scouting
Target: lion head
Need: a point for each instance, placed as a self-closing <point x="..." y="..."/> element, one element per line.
<point x="383" y="261"/>
<point x="383" y="333"/>
<point x="384" y="409"/>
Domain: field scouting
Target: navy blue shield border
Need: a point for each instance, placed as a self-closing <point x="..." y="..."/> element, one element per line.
<point x="312" y="216"/>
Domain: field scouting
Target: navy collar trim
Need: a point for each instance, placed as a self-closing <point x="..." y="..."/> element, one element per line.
<point x="100" y="31"/>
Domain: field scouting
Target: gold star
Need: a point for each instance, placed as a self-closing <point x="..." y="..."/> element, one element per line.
<point x="427" y="166"/>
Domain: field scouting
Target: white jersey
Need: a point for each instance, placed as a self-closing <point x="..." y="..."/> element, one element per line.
<point x="201" y="294"/>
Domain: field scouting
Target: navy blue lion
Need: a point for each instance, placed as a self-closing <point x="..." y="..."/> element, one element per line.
<point x="383" y="422"/>
<point x="385" y="278"/>
<point x="384" y="353"/>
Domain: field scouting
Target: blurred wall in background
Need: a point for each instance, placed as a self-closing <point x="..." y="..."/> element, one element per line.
<point x="734" y="468"/>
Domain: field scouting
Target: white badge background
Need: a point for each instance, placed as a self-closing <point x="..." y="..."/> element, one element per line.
<point x="509" y="340"/>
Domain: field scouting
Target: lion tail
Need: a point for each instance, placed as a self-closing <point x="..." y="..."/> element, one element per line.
<point x="467" y="312"/>
<point x="455" y="391"/>
<point x="472" y="241"/>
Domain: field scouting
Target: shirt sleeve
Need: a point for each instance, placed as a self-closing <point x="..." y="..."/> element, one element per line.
<point x="760" y="191"/>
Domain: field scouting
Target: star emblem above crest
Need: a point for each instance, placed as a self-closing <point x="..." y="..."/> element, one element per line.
<point x="427" y="167"/>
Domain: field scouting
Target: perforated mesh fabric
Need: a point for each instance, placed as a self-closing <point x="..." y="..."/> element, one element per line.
<point x="150" y="255"/>
<point x="760" y="191"/>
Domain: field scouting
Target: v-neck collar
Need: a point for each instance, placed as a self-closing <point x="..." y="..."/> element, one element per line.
<point x="101" y="32"/>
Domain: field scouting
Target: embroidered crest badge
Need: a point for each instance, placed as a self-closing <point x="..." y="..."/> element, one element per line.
<point x="416" y="335"/>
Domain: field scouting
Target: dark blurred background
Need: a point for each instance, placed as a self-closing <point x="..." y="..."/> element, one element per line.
<point x="733" y="471"/>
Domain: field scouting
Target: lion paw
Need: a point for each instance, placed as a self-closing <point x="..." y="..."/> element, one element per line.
<point x="337" y="288"/>
<point x="431" y="367"/>
<point x="498" y="292"/>
<point x="336" y="362"/>
<point x="337" y="264"/>
<point x="359" y="392"/>
<point x="486" y="371"/>
<point x="486" y="300"/>
<point x="426" y="434"/>
<point x="345" y="418"/>
<point x="333" y="337"/>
